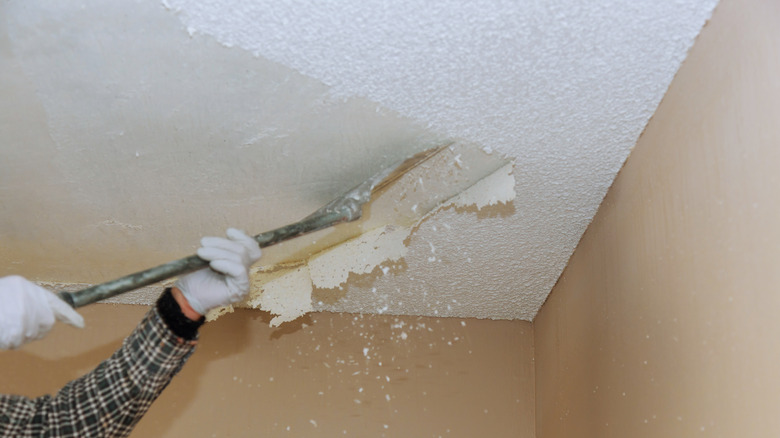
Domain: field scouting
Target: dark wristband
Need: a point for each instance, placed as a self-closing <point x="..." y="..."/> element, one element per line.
<point x="173" y="317"/>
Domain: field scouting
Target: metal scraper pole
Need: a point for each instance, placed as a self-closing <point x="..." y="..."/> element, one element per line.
<point x="193" y="263"/>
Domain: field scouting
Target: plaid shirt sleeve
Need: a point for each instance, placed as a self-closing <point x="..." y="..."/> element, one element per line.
<point x="111" y="399"/>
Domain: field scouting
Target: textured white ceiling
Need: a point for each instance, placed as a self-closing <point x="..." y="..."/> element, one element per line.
<point x="128" y="130"/>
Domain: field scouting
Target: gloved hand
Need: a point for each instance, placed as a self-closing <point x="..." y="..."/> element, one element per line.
<point x="231" y="259"/>
<point x="28" y="311"/>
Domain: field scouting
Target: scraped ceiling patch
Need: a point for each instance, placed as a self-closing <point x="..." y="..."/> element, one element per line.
<point x="453" y="168"/>
<point x="286" y="291"/>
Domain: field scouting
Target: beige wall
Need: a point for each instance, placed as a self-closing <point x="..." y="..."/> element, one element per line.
<point x="665" y="323"/>
<point x="448" y="377"/>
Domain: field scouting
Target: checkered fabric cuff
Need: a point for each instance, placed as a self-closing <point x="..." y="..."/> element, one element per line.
<point x="174" y="318"/>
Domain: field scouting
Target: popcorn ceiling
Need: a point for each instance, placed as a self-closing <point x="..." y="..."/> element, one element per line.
<point x="563" y="87"/>
<point x="509" y="75"/>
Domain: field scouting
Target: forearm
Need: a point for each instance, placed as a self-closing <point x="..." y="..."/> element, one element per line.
<point x="110" y="400"/>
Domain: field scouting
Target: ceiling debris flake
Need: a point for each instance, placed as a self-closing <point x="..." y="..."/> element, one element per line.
<point x="215" y="313"/>
<point x="282" y="292"/>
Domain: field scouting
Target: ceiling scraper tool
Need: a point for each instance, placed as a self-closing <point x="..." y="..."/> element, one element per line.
<point x="400" y="195"/>
<point x="346" y="208"/>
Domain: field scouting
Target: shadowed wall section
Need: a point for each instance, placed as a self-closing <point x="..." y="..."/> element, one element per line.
<point x="665" y="321"/>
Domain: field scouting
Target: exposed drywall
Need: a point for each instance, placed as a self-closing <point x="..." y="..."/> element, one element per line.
<point x="329" y="375"/>
<point x="665" y="321"/>
<point x="137" y="139"/>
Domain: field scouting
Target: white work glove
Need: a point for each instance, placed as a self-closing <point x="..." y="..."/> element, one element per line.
<point x="28" y="311"/>
<point x="227" y="281"/>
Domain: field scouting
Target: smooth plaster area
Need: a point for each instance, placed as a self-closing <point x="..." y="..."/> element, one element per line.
<point x="130" y="130"/>
<point x="665" y="323"/>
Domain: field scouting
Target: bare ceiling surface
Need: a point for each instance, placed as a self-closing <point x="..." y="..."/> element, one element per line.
<point x="130" y="129"/>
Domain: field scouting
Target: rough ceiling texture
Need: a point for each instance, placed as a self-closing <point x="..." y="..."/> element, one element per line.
<point x="130" y="129"/>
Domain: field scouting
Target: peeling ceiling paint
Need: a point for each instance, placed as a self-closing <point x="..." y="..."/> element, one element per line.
<point x="128" y="130"/>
